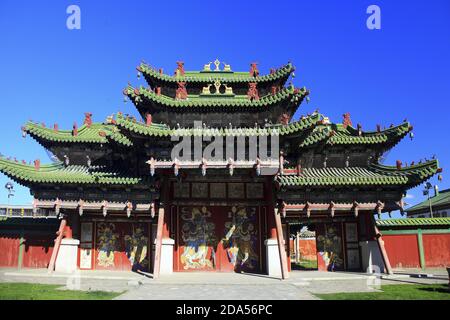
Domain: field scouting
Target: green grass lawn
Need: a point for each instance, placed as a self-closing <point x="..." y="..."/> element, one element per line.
<point x="305" y="265"/>
<point x="396" y="292"/>
<point x="29" y="291"/>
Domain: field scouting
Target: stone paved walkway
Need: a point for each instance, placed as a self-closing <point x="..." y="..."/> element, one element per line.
<point x="217" y="286"/>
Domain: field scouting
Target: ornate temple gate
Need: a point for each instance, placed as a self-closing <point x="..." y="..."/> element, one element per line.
<point x="219" y="238"/>
<point x="338" y="246"/>
<point x="114" y="244"/>
<point x="337" y="241"/>
<point x="218" y="226"/>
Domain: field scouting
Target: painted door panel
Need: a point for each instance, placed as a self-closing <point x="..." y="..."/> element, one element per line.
<point x="122" y="246"/>
<point x="329" y="247"/>
<point x="224" y="239"/>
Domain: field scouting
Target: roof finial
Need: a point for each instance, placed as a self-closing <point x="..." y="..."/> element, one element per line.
<point x="254" y="72"/>
<point x="347" y="121"/>
<point x="180" y="69"/>
<point x="88" y="119"/>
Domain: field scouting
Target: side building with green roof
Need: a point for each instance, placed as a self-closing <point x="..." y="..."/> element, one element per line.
<point x="436" y="206"/>
<point x="212" y="173"/>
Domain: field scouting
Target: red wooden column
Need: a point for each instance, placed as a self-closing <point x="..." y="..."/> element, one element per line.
<point x="380" y="242"/>
<point x="275" y="229"/>
<point x="163" y="229"/>
<point x="281" y="246"/>
<point x="271" y="224"/>
<point x="158" y="245"/>
<point x="59" y="235"/>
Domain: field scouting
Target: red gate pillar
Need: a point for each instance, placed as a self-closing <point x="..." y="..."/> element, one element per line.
<point x="276" y="259"/>
<point x="281" y="245"/>
<point x="384" y="255"/>
<point x="59" y="236"/>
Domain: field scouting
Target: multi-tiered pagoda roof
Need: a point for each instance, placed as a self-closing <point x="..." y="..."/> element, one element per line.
<point x="316" y="155"/>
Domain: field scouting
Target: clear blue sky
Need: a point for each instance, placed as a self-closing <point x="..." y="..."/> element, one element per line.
<point x="52" y="74"/>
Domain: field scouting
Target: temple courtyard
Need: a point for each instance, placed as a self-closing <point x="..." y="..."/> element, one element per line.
<point x="309" y="285"/>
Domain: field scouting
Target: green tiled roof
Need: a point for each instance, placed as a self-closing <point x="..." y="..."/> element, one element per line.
<point x="209" y="77"/>
<point x="159" y="130"/>
<point x="144" y="95"/>
<point x="413" y="222"/>
<point x="334" y="134"/>
<point x="97" y="133"/>
<point x="372" y="175"/>
<point x="58" y="173"/>
<point x="440" y="200"/>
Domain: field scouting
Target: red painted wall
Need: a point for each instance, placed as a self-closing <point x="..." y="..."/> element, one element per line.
<point x="9" y="251"/>
<point x="308" y="249"/>
<point x="37" y="251"/>
<point x="436" y="249"/>
<point x="402" y="250"/>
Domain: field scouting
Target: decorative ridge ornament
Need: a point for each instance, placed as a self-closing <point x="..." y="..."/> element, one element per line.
<point x="284" y="119"/>
<point x="347" y="121"/>
<point x="37" y="164"/>
<point x="88" y="119"/>
<point x="254" y="72"/>
<point x="252" y="93"/>
<point x="148" y="119"/>
<point x="217" y="64"/>
<point x="181" y="93"/>
<point x="180" y="69"/>
<point x="75" y="129"/>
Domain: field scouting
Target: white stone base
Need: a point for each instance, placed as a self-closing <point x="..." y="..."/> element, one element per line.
<point x="273" y="258"/>
<point x="66" y="261"/>
<point x="166" y="266"/>
<point x="372" y="261"/>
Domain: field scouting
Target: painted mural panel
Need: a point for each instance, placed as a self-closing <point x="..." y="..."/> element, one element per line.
<point x="219" y="239"/>
<point x="122" y="246"/>
<point x="241" y="239"/>
<point x="200" y="190"/>
<point x="218" y="190"/>
<point x="329" y="247"/>
<point x="236" y="191"/>
<point x="198" y="239"/>
<point x="136" y="247"/>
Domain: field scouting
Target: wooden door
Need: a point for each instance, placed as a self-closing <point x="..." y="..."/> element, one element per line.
<point x="330" y="254"/>
<point x="122" y="246"/>
<point x="225" y="239"/>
